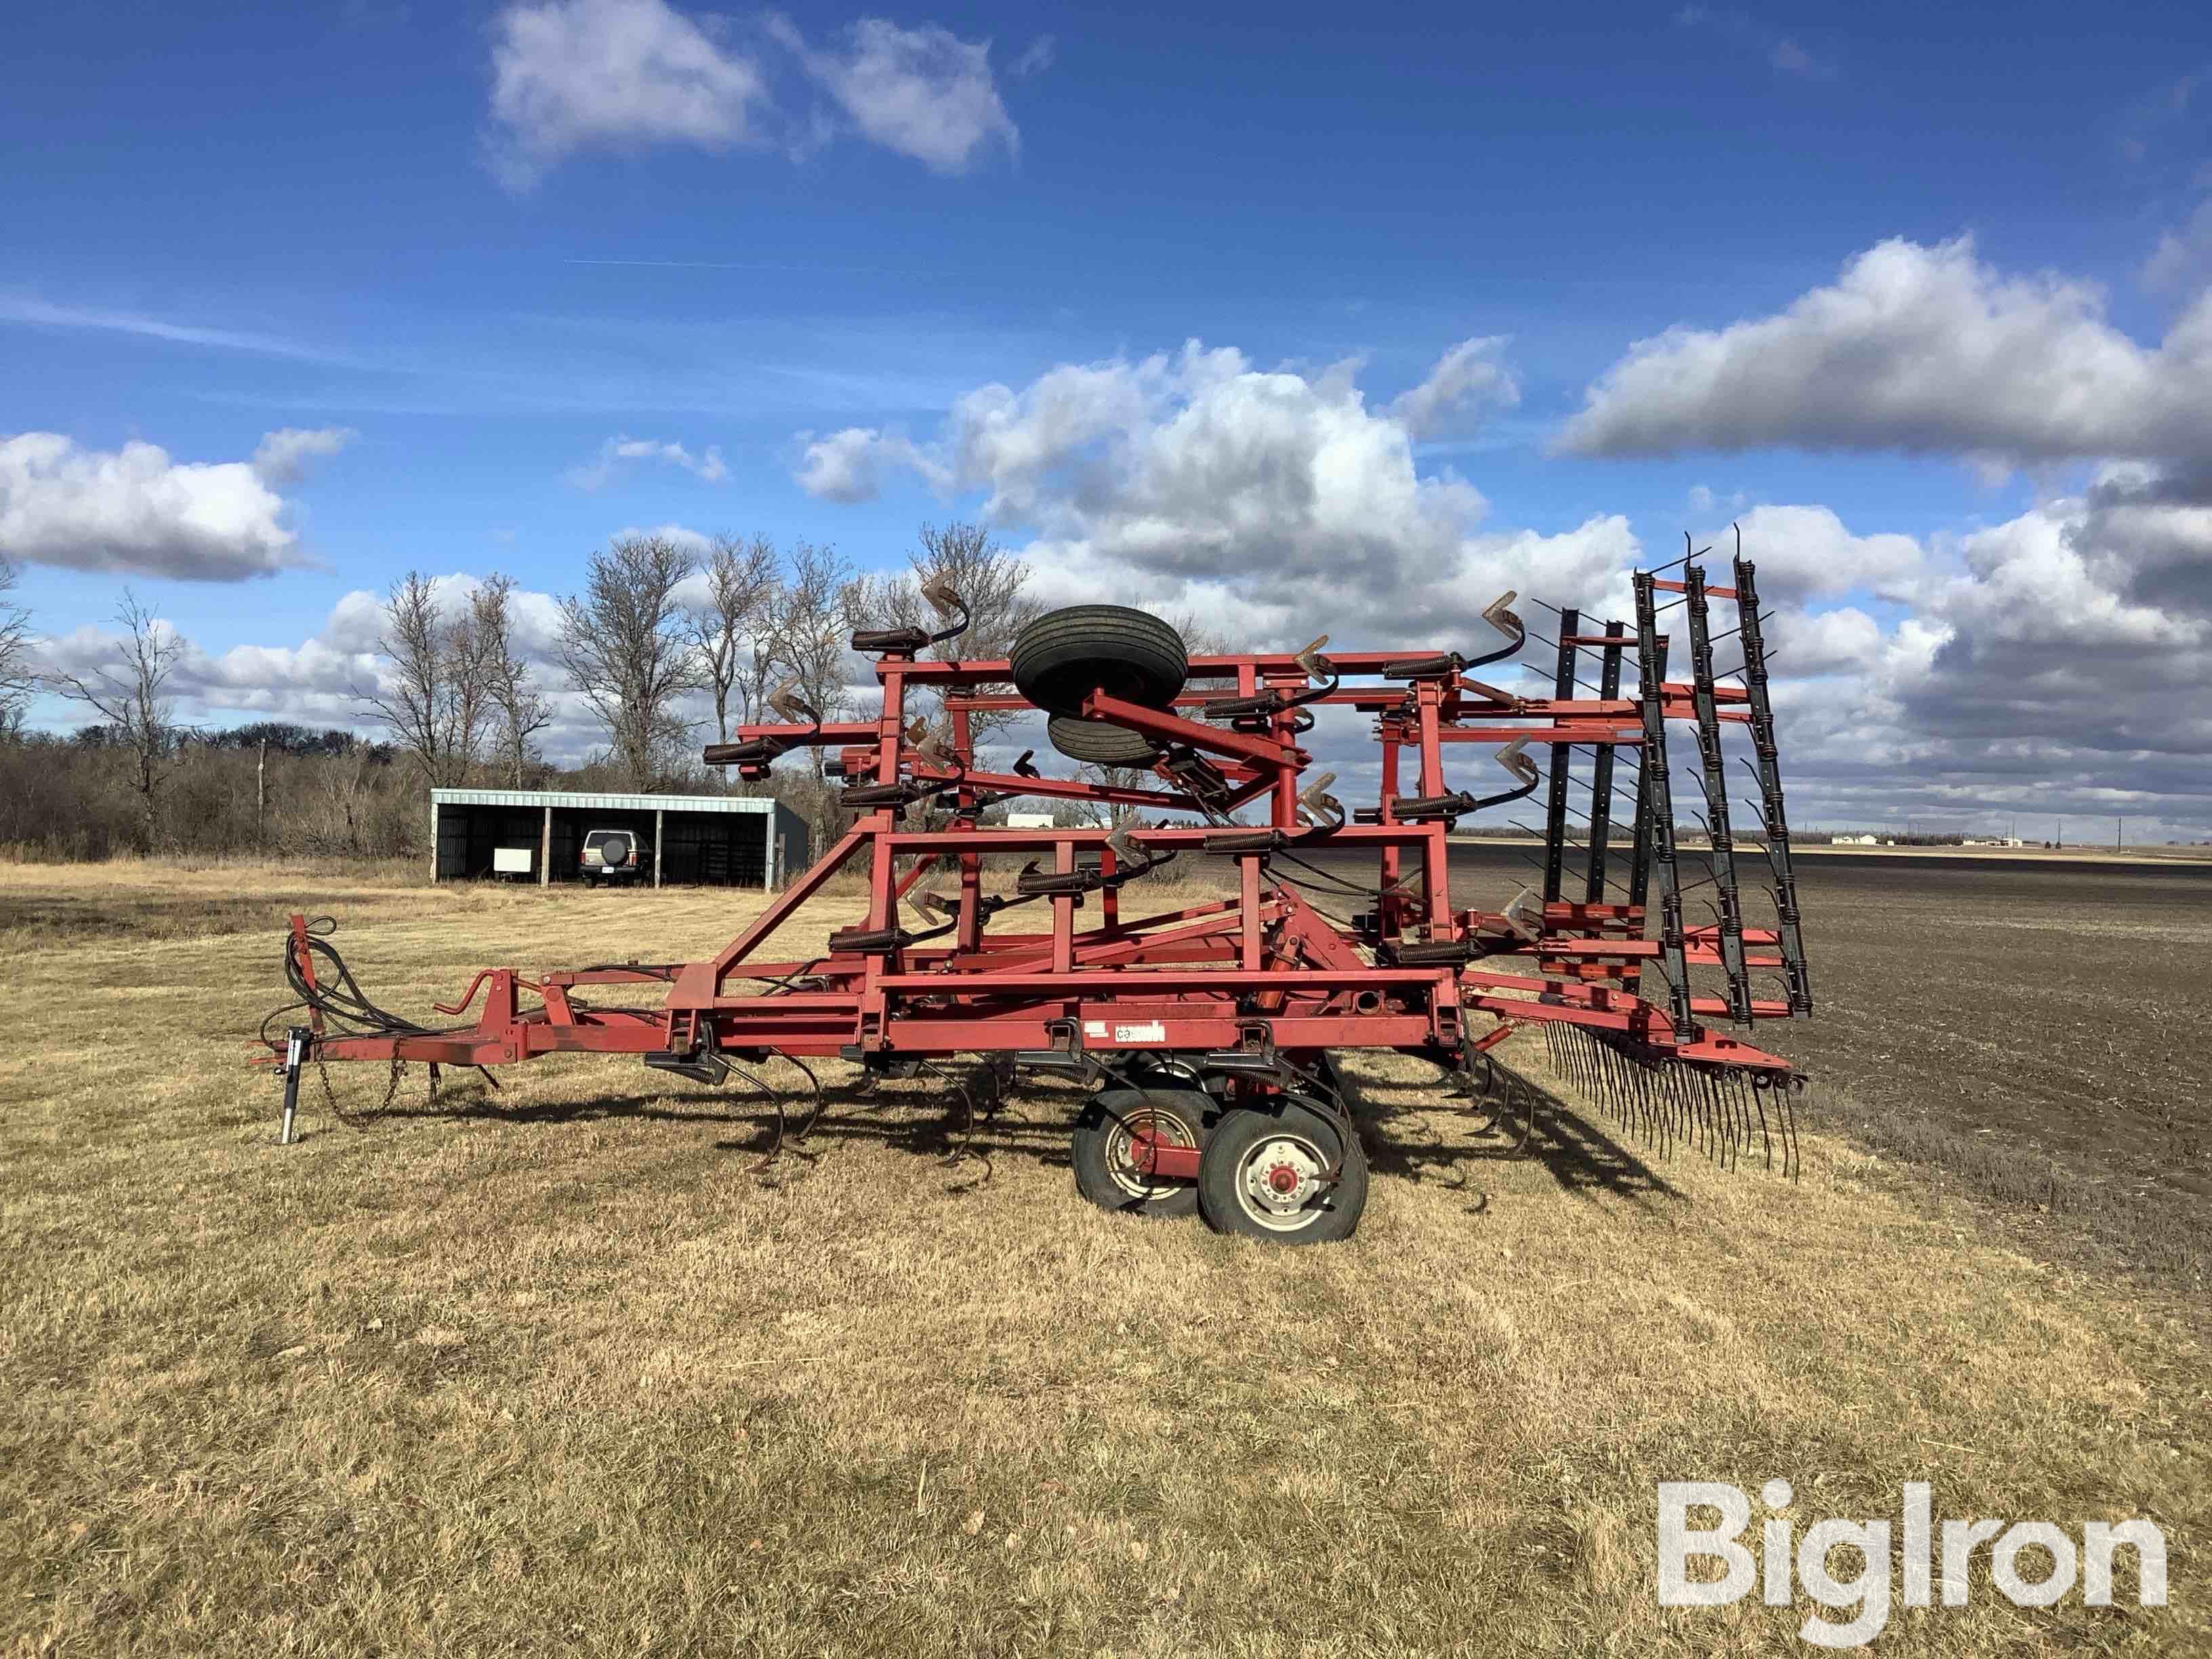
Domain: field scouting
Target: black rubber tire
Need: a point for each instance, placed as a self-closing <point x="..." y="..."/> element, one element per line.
<point x="1065" y="655"/>
<point x="1101" y="744"/>
<point x="1103" y="1176"/>
<point x="1242" y="1139"/>
<point x="609" y="856"/>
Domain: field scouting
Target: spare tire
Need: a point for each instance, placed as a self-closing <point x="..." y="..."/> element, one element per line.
<point x="1065" y="655"/>
<point x="1101" y="744"/>
<point x="614" y="852"/>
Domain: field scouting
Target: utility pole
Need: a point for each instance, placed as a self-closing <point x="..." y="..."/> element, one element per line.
<point x="261" y="797"/>
<point x="2118" y="824"/>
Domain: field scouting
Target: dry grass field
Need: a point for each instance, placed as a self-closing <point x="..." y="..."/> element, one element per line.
<point x="554" y="1369"/>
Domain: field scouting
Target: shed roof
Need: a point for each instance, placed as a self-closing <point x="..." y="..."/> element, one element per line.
<point x="758" y="804"/>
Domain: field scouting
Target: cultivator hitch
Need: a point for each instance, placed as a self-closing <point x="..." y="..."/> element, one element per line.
<point x="1208" y="1026"/>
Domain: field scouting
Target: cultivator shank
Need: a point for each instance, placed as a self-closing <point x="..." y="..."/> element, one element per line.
<point x="1218" y="1020"/>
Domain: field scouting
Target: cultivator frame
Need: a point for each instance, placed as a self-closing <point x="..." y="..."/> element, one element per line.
<point x="1239" y="1001"/>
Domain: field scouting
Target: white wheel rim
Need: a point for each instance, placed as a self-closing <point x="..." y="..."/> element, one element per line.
<point x="1122" y="1150"/>
<point x="1279" y="1181"/>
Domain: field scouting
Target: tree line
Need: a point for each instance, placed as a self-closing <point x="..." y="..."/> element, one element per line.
<point x="658" y="631"/>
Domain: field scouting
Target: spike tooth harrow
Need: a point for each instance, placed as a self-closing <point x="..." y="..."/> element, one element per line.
<point x="1243" y="996"/>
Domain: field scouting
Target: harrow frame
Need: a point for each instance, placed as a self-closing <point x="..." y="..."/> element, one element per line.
<point x="1247" y="994"/>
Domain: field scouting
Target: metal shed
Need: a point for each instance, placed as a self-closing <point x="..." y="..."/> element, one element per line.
<point x="724" y="841"/>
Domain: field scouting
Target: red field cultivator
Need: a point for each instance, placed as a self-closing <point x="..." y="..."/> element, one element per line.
<point x="1206" y="1031"/>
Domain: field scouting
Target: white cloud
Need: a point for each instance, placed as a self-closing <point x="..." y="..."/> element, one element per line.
<point x="136" y="511"/>
<point x="1918" y="348"/>
<point x="847" y="466"/>
<point x="1035" y="58"/>
<point x="571" y="73"/>
<point x="1464" y="379"/>
<point x="595" y="474"/>
<point x="284" y="456"/>
<point x="923" y="92"/>
<point x="1194" y="481"/>
<point x="2047" y="651"/>
<point x="1802" y="551"/>
<point x="2054" y="652"/>
<point x="2182" y="261"/>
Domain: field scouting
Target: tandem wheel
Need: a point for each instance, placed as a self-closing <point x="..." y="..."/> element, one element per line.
<point x="1262" y="1175"/>
<point x="1104" y="1148"/>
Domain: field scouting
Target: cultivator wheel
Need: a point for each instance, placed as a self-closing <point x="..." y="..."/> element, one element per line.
<point x="1115" y="1141"/>
<point x="1099" y="744"/>
<point x="1288" y="1175"/>
<point x="1065" y="655"/>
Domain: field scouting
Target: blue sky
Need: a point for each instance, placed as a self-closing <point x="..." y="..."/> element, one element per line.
<point x="224" y="221"/>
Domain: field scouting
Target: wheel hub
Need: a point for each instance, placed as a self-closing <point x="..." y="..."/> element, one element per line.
<point x="1282" y="1176"/>
<point x="1124" y="1151"/>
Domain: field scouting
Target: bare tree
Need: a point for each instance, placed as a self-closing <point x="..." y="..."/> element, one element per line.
<point x="622" y="644"/>
<point x="988" y="577"/>
<point x="332" y="813"/>
<point x="818" y="611"/>
<point x="434" y="700"/>
<point x="131" y="695"/>
<point x="1197" y="639"/>
<point x="469" y="673"/>
<point x="17" y="681"/>
<point x="732" y="634"/>
<point x="520" y="709"/>
<point x="812" y="647"/>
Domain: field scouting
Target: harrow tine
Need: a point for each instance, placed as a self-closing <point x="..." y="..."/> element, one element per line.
<point x="814" y="1085"/>
<point x="1758" y="1094"/>
<point x="1701" y="1109"/>
<point x="1797" y="1155"/>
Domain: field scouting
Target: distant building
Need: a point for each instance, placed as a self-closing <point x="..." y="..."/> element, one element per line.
<point x="1029" y="820"/>
<point x="722" y="841"/>
<point x="1851" y="840"/>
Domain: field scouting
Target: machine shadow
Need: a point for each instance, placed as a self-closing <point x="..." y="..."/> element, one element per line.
<point x="1413" y="1130"/>
<point x="930" y="1119"/>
